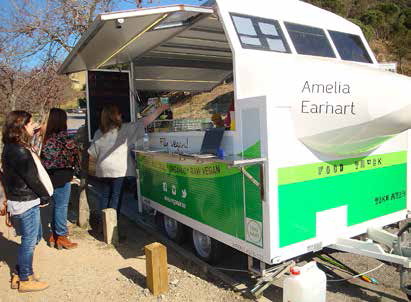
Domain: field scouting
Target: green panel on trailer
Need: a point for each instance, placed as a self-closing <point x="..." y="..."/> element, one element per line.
<point x="211" y="193"/>
<point x="373" y="187"/>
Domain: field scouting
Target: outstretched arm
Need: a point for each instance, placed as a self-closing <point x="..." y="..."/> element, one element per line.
<point x="150" y="118"/>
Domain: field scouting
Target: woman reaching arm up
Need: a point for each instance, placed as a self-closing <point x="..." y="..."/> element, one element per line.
<point x="111" y="148"/>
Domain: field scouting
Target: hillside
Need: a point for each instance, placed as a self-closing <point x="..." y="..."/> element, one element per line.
<point x="201" y="105"/>
<point x="385" y="23"/>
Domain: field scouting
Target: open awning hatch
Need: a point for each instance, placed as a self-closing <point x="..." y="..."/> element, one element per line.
<point x="173" y="48"/>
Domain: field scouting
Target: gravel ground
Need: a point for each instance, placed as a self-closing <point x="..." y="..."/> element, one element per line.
<point x="99" y="272"/>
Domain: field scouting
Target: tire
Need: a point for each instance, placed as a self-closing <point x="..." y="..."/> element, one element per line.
<point x="408" y="288"/>
<point x="173" y="229"/>
<point x="207" y="248"/>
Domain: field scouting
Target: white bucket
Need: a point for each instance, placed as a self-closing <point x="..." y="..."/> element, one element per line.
<point x="305" y="284"/>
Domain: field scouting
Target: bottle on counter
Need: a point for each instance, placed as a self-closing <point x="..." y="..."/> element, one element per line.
<point x="146" y="142"/>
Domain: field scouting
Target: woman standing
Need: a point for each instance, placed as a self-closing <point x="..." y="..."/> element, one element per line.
<point x="28" y="187"/>
<point x="111" y="148"/>
<point x="60" y="157"/>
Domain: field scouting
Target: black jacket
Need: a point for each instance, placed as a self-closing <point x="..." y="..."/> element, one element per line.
<point x="20" y="176"/>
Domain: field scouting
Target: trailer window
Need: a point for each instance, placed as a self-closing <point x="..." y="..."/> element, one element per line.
<point x="350" y="47"/>
<point x="309" y="40"/>
<point x="259" y="33"/>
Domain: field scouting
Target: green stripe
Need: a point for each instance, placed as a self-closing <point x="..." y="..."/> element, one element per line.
<point x="253" y="151"/>
<point x="339" y="167"/>
<point x="207" y="170"/>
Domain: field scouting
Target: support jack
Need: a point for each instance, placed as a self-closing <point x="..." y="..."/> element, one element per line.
<point x="266" y="276"/>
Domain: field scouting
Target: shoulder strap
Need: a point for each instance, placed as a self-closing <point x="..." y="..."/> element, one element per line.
<point x="43" y="175"/>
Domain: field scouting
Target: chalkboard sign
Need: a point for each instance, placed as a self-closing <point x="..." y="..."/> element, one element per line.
<point x="107" y="87"/>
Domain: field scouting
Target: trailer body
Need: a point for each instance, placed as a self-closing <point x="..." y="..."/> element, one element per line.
<point x="311" y="103"/>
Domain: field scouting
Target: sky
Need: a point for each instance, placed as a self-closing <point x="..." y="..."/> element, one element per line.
<point x="5" y="3"/>
<point x="33" y="61"/>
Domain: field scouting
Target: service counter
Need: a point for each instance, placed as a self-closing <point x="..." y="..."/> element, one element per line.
<point x="187" y="141"/>
<point x="233" y="161"/>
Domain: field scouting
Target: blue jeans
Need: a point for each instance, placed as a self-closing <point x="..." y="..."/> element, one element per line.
<point x="111" y="192"/>
<point x="61" y="198"/>
<point x="29" y="226"/>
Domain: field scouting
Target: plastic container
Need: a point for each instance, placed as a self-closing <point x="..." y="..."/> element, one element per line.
<point x="305" y="284"/>
<point x="220" y="153"/>
<point x="146" y="143"/>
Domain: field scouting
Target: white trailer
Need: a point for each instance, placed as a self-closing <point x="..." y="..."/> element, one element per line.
<point x="319" y="152"/>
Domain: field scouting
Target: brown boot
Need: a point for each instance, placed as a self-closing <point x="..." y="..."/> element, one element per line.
<point x="64" y="242"/>
<point x="15" y="279"/>
<point x="32" y="286"/>
<point x="52" y="239"/>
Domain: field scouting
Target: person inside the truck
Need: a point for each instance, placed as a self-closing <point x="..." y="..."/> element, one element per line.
<point x="217" y="120"/>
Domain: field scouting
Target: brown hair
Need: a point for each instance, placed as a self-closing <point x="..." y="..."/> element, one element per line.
<point x="57" y="122"/>
<point x="14" y="131"/>
<point x="110" y="118"/>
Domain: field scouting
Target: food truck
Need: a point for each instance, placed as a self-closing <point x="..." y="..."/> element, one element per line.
<point x="317" y="153"/>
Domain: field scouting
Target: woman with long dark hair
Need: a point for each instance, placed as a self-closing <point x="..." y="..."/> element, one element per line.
<point x="60" y="157"/>
<point x="28" y="187"/>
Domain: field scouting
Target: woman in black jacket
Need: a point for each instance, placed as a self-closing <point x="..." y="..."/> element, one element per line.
<point x="28" y="187"/>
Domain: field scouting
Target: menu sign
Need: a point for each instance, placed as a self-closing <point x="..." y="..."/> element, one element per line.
<point x="107" y="87"/>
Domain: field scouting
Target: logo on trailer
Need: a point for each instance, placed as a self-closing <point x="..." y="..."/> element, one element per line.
<point x="254" y="231"/>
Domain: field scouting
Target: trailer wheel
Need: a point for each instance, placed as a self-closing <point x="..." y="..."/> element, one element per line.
<point x="207" y="248"/>
<point x="173" y="229"/>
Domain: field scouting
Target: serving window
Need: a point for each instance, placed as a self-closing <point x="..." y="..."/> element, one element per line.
<point x="350" y="47"/>
<point x="309" y="40"/>
<point x="260" y="33"/>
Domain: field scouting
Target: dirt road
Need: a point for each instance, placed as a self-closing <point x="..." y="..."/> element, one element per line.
<point x="97" y="272"/>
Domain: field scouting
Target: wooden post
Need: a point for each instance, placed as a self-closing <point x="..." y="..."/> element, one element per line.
<point x="156" y="268"/>
<point x="110" y="226"/>
<point x="83" y="206"/>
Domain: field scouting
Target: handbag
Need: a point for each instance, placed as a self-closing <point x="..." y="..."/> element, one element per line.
<point x="42" y="173"/>
<point x="3" y="212"/>
<point x="3" y="203"/>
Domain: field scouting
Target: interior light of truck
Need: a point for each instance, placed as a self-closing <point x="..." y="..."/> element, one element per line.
<point x="133" y="39"/>
<point x="188" y="54"/>
<point x="177" y="19"/>
<point x="185" y="81"/>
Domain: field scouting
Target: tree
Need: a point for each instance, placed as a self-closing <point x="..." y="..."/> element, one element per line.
<point x="36" y="90"/>
<point x="47" y="89"/>
<point x="375" y="19"/>
<point x="52" y="27"/>
<point x="49" y="26"/>
<point x="400" y="47"/>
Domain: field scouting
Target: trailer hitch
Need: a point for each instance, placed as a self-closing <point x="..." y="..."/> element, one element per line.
<point x="402" y="247"/>
<point x="399" y="254"/>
